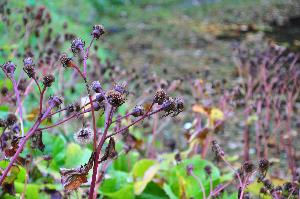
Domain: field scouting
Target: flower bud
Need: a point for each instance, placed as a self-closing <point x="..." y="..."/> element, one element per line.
<point x="98" y="30"/>
<point x="96" y="86"/>
<point x="84" y="136"/>
<point x="138" y="111"/>
<point x="77" y="46"/>
<point x="9" y="67"/>
<point x="48" y="80"/>
<point x="160" y="97"/>
<point x="29" y="67"/>
<point x="115" y="98"/>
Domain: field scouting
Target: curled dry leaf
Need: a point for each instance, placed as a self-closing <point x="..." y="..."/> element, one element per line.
<point x="37" y="141"/>
<point x="132" y="142"/>
<point x="11" y="150"/>
<point x="110" y="151"/>
<point x="71" y="179"/>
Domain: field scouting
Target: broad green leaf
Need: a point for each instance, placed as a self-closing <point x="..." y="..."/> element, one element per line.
<point x="76" y="156"/>
<point x="141" y="167"/>
<point x="153" y="191"/>
<point x="16" y="173"/>
<point x="169" y="191"/>
<point x="115" y="181"/>
<point x="254" y="188"/>
<point x="180" y="181"/>
<point x="125" y="162"/>
<point x="140" y="185"/>
<point x="125" y="193"/>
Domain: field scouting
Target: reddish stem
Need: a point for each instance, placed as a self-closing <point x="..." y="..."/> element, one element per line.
<point x="22" y="144"/>
<point x="133" y="123"/>
<point x="108" y="115"/>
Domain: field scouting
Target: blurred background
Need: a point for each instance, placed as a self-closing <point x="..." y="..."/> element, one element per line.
<point x="194" y="49"/>
<point x="181" y="36"/>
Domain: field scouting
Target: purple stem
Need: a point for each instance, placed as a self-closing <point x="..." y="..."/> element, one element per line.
<point x="86" y="55"/>
<point x="19" y="104"/>
<point x="22" y="144"/>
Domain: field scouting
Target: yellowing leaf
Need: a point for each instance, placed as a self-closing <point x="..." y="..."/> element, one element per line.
<point x="216" y="114"/>
<point x="251" y="119"/>
<point x="182" y="186"/>
<point x="199" y="109"/>
<point x="139" y="186"/>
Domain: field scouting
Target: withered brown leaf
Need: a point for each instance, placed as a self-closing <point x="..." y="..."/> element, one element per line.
<point x="37" y="141"/>
<point x="110" y="151"/>
<point x="71" y="179"/>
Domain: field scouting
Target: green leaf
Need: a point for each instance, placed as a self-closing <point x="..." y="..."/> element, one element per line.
<point x="140" y="185"/>
<point x="125" y="193"/>
<point x="76" y="156"/>
<point x="141" y="167"/>
<point x="16" y="173"/>
<point x="32" y="190"/>
<point x="169" y="191"/>
<point x="125" y="162"/>
<point x="153" y="191"/>
<point x="115" y="181"/>
<point x="179" y="181"/>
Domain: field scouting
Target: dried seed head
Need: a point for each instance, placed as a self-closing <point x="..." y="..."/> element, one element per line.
<point x="73" y="107"/>
<point x="77" y="46"/>
<point x="179" y="105"/>
<point x="65" y="60"/>
<point x="84" y="136"/>
<point x="100" y="98"/>
<point x="189" y="169"/>
<point x="207" y="170"/>
<point x="287" y="187"/>
<point x="115" y="98"/>
<point x="96" y="86"/>
<point x="219" y="153"/>
<point x="263" y="190"/>
<point x="98" y="106"/>
<point x="160" y="97"/>
<point x="29" y="67"/>
<point x="121" y="88"/>
<point x="248" y="167"/>
<point x="70" y="108"/>
<point x="48" y="80"/>
<point x="263" y="165"/>
<point x="16" y="129"/>
<point x="178" y="157"/>
<point x="56" y="100"/>
<point x="77" y="106"/>
<point x="268" y="184"/>
<point x="2" y="123"/>
<point x="4" y="91"/>
<point x="138" y="111"/>
<point x="9" y="67"/>
<point x="11" y="119"/>
<point x="98" y="30"/>
<point x="169" y="105"/>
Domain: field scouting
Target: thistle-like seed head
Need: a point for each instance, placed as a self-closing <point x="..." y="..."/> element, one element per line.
<point x="77" y="46"/>
<point x="84" y="136"/>
<point x="11" y="119"/>
<point x="98" y="30"/>
<point x="138" y="111"/>
<point x="29" y="67"/>
<point x="65" y="60"/>
<point x="9" y="67"/>
<point x="160" y="97"/>
<point x="115" y="98"/>
<point x="96" y="86"/>
<point x="48" y="80"/>
<point x="56" y="100"/>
